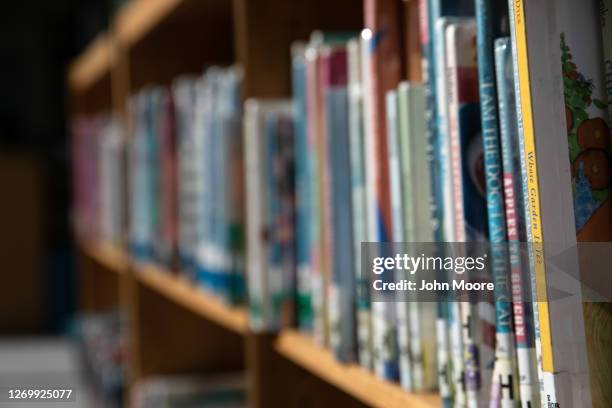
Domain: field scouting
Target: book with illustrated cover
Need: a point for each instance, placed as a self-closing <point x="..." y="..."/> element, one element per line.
<point x="564" y="118"/>
<point x="269" y="177"/>
<point x="430" y="11"/>
<point x="342" y="288"/>
<point x="470" y="206"/>
<point x="516" y="230"/>
<point x="492" y="21"/>
<point x="358" y="199"/>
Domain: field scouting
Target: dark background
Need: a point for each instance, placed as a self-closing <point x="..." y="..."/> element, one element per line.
<point x="39" y="40"/>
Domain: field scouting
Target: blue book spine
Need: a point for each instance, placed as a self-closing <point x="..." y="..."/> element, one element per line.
<point x="303" y="188"/>
<point x="343" y="336"/>
<point x="515" y="218"/>
<point x="503" y="385"/>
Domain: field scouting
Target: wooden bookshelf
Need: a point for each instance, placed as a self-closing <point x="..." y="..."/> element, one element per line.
<point x="184" y="293"/>
<point x="350" y="378"/>
<point x="174" y="327"/>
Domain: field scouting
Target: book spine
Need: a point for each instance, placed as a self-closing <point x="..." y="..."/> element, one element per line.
<point x="342" y="296"/>
<point x="458" y="312"/>
<point x="384" y="71"/>
<point x="358" y="198"/>
<point x="319" y="300"/>
<point x="522" y="311"/>
<point x="422" y="314"/>
<point x="327" y="227"/>
<point x="413" y="56"/>
<point x="504" y="391"/>
<point x="426" y="32"/>
<point x="257" y="245"/>
<point x="398" y="210"/>
<point x="444" y="156"/>
<point x="407" y="199"/>
<point x="381" y="17"/>
<point x="303" y="191"/>
<point x="184" y="99"/>
<point x="281" y="165"/>
<point x="531" y="201"/>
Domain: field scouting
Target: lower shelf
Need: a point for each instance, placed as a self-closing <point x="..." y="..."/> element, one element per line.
<point x="182" y="292"/>
<point x="350" y="378"/>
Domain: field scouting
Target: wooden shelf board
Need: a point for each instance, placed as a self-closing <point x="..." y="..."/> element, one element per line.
<point x="92" y="65"/>
<point x="350" y="378"/>
<point x="139" y="17"/>
<point x="108" y="255"/>
<point x="184" y="293"/>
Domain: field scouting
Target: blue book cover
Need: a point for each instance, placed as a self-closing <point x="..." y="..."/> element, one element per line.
<point x="491" y="21"/>
<point x="303" y="186"/>
<point x="342" y="303"/>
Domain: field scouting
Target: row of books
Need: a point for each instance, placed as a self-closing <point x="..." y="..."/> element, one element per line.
<point x="475" y="150"/>
<point x="441" y="121"/>
<point x="186" y="200"/>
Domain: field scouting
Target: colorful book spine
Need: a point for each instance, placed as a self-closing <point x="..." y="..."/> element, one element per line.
<point x="319" y="298"/>
<point x="442" y="129"/>
<point x="358" y="199"/>
<point x="303" y="189"/>
<point x="382" y="68"/>
<point x="426" y="33"/>
<point x="268" y="154"/>
<point x="232" y="232"/>
<point x="342" y="283"/>
<point x="504" y="391"/>
<point x="514" y="10"/>
<point x="550" y="57"/>
<point x="466" y="151"/>
<point x="516" y="232"/>
<point x="384" y="73"/>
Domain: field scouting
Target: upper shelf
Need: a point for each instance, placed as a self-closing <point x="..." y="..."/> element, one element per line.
<point x="182" y="292"/>
<point x="139" y="17"/>
<point x="350" y="378"/>
<point x="92" y="65"/>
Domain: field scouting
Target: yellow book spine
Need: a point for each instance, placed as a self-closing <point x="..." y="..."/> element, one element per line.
<point x="533" y="187"/>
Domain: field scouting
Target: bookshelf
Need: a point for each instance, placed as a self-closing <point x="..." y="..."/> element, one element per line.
<point x="182" y="292"/>
<point x="172" y="326"/>
<point x="352" y="379"/>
